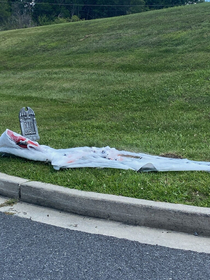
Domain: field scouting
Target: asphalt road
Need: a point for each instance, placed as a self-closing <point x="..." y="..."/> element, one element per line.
<point x="32" y="250"/>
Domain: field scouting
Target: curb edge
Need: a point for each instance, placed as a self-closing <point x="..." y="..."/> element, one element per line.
<point x="162" y="215"/>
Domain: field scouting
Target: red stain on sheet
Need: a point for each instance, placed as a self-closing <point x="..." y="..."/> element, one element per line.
<point x="20" y="140"/>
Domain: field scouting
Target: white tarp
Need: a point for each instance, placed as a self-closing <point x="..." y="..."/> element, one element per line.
<point x="15" y="144"/>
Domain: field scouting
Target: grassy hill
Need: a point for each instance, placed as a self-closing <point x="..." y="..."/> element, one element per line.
<point x="139" y="82"/>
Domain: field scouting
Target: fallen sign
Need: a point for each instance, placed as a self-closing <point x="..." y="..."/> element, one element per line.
<point x="28" y="124"/>
<point x="106" y="157"/>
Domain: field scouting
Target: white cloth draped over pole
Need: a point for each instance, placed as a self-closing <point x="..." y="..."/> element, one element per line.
<point x="106" y="157"/>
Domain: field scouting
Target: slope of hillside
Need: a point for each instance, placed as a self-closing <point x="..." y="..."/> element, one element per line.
<point x="139" y="82"/>
<point x="126" y="43"/>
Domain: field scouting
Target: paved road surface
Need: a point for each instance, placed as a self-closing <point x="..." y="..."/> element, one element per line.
<point x="32" y="250"/>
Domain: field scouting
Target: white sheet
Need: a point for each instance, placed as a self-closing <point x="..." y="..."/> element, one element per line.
<point x="106" y="157"/>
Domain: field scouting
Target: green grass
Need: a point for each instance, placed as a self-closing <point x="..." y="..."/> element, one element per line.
<point x="139" y="83"/>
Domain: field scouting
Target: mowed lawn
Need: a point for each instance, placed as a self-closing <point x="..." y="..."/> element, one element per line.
<point x="139" y="83"/>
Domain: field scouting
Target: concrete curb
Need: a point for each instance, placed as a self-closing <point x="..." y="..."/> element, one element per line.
<point x="177" y="217"/>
